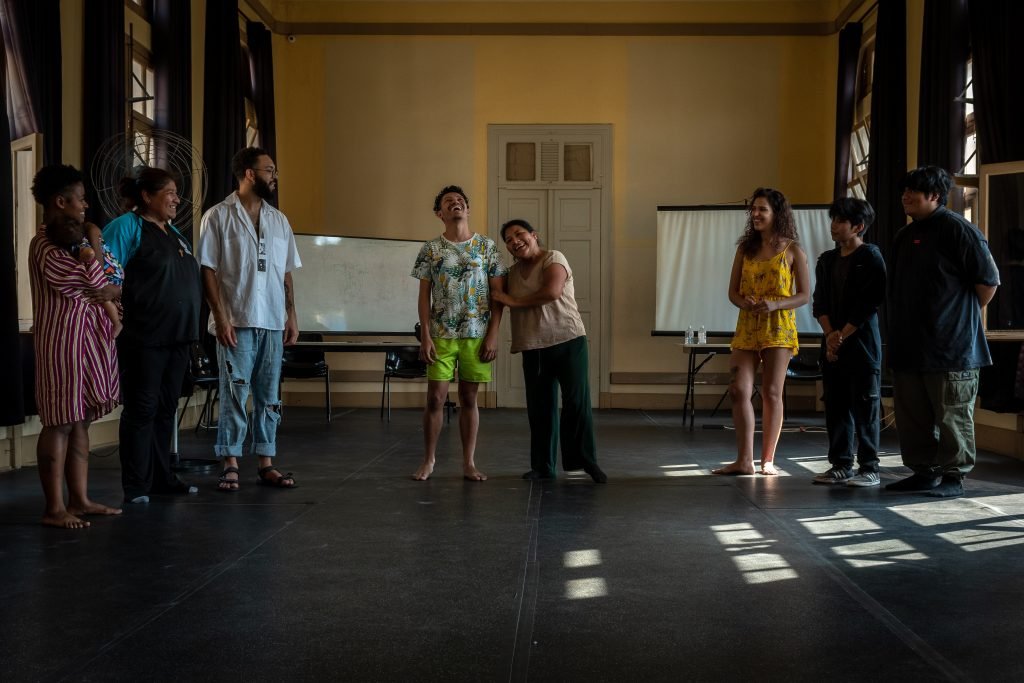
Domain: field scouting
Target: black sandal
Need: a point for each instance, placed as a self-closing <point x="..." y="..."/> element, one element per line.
<point x="232" y="484"/>
<point x="279" y="481"/>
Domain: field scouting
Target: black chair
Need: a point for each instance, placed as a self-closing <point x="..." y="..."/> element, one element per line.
<point x="400" y="364"/>
<point x="308" y="363"/>
<point x="805" y="367"/>
<point x="202" y="373"/>
<point x="406" y="364"/>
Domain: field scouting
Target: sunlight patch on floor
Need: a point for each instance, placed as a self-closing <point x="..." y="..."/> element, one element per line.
<point x="693" y="470"/>
<point x="583" y="589"/>
<point x="756" y="567"/>
<point x="811" y="463"/>
<point x="878" y="553"/>
<point x="842" y="524"/>
<point x="763" y="568"/>
<point x="940" y="511"/>
<point x="581" y="558"/>
<point x="989" y="537"/>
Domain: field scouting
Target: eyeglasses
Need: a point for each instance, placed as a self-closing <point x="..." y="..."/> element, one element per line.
<point x="269" y="169"/>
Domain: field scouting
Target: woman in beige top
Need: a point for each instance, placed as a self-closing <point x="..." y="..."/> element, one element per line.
<point x="548" y="330"/>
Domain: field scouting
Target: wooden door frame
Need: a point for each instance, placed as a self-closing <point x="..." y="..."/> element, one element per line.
<point x="603" y="172"/>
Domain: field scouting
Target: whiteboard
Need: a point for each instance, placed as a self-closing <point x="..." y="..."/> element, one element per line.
<point x="356" y="284"/>
<point x="696" y="246"/>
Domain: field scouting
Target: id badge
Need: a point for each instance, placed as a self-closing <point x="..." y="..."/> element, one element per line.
<point x="261" y="263"/>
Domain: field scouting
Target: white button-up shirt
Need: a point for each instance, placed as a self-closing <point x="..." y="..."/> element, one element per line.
<point x="229" y="244"/>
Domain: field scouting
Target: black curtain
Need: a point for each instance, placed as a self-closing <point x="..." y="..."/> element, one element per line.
<point x="32" y="33"/>
<point x="944" y="50"/>
<point x="172" y="65"/>
<point x="887" y="161"/>
<point x="998" y="103"/>
<point x="172" y="71"/>
<point x="103" y="88"/>
<point x="12" y="404"/>
<point x="223" y="98"/>
<point x="260" y="51"/>
<point x="846" y="101"/>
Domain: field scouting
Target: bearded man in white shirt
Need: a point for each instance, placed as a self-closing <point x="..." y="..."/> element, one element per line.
<point x="247" y="253"/>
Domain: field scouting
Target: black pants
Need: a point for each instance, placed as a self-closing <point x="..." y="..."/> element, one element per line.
<point x="852" y="406"/>
<point x="151" y="380"/>
<point x="544" y="370"/>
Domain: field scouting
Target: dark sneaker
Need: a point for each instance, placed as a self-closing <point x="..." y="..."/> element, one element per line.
<point x="915" y="482"/>
<point x="834" y="475"/>
<point x="534" y="474"/>
<point x="951" y="486"/>
<point x="597" y="474"/>
<point x="864" y="480"/>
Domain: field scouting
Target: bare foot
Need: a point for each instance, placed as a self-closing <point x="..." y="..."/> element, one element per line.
<point x="91" y="508"/>
<point x="768" y="469"/>
<point x="64" y="520"/>
<point x="424" y="471"/>
<point x="473" y="474"/>
<point x="734" y="468"/>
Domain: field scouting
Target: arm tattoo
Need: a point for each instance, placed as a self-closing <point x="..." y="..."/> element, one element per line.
<point x="289" y="297"/>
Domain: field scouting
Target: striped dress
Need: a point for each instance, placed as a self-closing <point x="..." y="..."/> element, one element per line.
<point x="76" y="360"/>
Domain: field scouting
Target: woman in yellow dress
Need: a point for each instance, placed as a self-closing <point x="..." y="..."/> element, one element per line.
<point x="769" y="282"/>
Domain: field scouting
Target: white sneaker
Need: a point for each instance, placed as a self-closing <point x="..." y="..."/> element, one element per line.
<point x="864" y="480"/>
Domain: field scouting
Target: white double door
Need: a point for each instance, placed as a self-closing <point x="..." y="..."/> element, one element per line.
<point x="568" y="220"/>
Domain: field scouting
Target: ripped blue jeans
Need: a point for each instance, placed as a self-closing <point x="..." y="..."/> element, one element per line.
<point x="253" y="366"/>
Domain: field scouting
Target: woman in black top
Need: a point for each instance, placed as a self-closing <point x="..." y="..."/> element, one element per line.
<point x="161" y="296"/>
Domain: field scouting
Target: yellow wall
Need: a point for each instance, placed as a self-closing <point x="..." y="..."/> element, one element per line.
<point x="370" y="127"/>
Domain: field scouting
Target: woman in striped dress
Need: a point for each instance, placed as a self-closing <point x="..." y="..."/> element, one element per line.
<point x="76" y="370"/>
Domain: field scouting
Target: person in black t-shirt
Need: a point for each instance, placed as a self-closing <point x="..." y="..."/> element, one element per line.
<point x="161" y="320"/>
<point x="849" y="288"/>
<point x="941" y="276"/>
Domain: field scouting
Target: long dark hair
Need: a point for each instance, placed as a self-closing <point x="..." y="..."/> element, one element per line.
<point x="145" y="179"/>
<point x="783" y="223"/>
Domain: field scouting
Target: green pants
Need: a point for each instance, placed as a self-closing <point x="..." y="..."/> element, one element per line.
<point x="544" y="370"/>
<point x="935" y="420"/>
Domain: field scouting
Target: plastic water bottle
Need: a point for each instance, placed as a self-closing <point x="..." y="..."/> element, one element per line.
<point x="690" y="337"/>
<point x="702" y="336"/>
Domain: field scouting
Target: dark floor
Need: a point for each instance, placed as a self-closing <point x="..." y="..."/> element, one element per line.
<point x="664" y="574"/>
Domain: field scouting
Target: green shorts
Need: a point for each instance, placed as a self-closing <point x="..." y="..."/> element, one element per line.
<point x="467" y="351"/>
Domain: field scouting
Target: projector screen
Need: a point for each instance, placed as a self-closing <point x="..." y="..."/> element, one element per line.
<point x="696" y="246"/>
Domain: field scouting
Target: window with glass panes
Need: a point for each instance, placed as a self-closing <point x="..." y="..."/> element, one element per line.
<point x="860" y="136"/>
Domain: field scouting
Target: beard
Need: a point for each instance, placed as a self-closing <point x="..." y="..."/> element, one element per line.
<point x="263" y="189"/>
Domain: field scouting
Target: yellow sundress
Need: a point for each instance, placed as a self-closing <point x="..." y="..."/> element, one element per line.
<point x="770" y="279"/>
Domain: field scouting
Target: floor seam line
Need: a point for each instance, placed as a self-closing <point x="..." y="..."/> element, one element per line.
<point x="519" y="669"/>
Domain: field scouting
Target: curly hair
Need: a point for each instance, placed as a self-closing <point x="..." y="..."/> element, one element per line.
<point x="447" y="190"/>
<point x="54" y="180"/>
<point x="783" y="223"/>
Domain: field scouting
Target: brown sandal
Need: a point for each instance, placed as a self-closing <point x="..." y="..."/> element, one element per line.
<point x="232" y="484"/>
<point x="278" y="482"/>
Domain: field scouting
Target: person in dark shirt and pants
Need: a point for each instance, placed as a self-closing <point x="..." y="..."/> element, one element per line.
<point x="849" y="288"/>
<point x="941" y="276"/>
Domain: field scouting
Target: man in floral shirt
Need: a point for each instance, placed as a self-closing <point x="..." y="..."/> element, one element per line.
<point x="459" y="322"/>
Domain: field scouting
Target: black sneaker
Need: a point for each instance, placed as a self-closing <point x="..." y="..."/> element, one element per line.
<point x="534" y="474"/>
<point x="597" y="474"/>
<point x="915" y="482"/>
<point x="951" y="486"/>
<point x="834" y="475"/>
